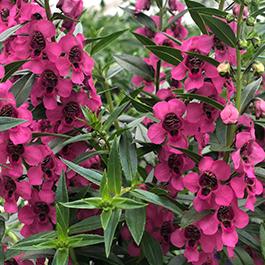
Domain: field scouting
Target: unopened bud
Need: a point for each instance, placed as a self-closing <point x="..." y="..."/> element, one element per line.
<point x="224" y="69"/>
<point x="230" y="18"/>
<point x="251" y="21"/>
<point x="258" y="68"/>
<point x="243" y="44"/>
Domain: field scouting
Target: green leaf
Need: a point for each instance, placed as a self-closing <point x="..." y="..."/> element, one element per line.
<point x="136" y="220"/>
<point x="9" y="32"/>
<point x="126" y="203"/>
<point x="128" y="155"/>
<point x="204" y="58"/>
<point x="248" y="239"/>
<point x="175" y="18"/>
<point x="192" y="155"/>
<point x="2" y="228"/>
<point x="88" y="224"/>
<point x="249" y="94"/>
<point x="158" y="200"/>
<point x="22" y="87"/>
<point x="61" y="257"/>
<point x="167" y="54"/>
<point x="159" y="3"/>
<point x="105" y="218"/>
<point x="191" y="216"/>
<point x="7" y="123"/>
<point x="105" y="41"/>
<point x="62" y="213"/>
<point x="144" y="40"/>
<point x="11" y="68"/>
<point x="88" y="203"/>
<point x="114" y="169"/>
<point x="222" y="30"/>
<point x="258" y="12"/>
<point x="110" y="230"/>
<point x="209" y="11"/>
<point x="262" y="239"/>
<point x="152" y="250"/>
<point x="242" y="257"/>
<point x="135" y="65"/>
<point x="88" y="174"/>
<point x="84" y="240"/>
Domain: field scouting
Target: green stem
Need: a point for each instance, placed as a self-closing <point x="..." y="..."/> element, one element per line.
<point x="48" y="9"/>
<point x="232" y="128"/>
<point x="221" y="4"/>
<point x="157" y="79"/>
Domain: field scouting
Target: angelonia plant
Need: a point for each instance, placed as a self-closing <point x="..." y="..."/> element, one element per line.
<point x="169" y="171"/>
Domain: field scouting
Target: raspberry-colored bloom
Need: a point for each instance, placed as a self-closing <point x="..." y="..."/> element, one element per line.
<point x="142" y="5"/>
<point x="229" y="114"/>
<point x="260" y="108"/>
<point x="176" y="5"/>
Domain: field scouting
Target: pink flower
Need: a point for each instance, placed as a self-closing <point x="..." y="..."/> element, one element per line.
<point x="196" y="68"/>
<point x="209" y="184"/>
<point x="177" y="30"/>
<point x="71" y="8"/>
<point x="229" y="114"/>
<point x="171" y="167"/>
<point x="31" y="11"/>
<point x="170" y="123"/>
<point x="39" y="215"/>
<point x="206" y="259"/>
<point x="260" y="108"/>
<point x="176" y="5"/>
<point x="142" y="5"/>
<point x="252" y="186"/>
<point x="248" y="153"/>
<point x="74" y="58"/>
<point x="229" y="218"/>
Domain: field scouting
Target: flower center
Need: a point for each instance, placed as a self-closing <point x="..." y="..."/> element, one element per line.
<point x="8" y="111"/>
<point x="245" y="151"/>
<point x="42" y="210"/>
<point x="4" y="14"/>
<point x="10" y="186"/>
<point x="166" y="231"/>
<point x="49" y="80"/>
<point x="194" y="63"/>
<point x="75" y="56"/>
<point x="218" y="44"/>
<point x="172" y="123"/>
<point x="47" y="164"/>
<point x="11" y="262"/>
<point x="70" y="111"/>
<point x="208" y="182"/>
<point x="15" y="151"/>
<point x="175" y="162"/>
<point x="208" y="110"/>
<point x="45" y="125"/>
<point x="193" y="234"/>
<point x="37" y="16"/>
<point x="225" y="215"/>
<point x="37" y="43"/>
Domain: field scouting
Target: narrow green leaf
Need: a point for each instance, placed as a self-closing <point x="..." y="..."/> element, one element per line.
<point x="242" y="257"/>
<point x="167" y="54"/>
<point x="191" y="216"/>
<point x="114" y="169"/>
<point x="192" y="155"/>
<point x="11" y="68"/>
<point x="9" y="32"/>
<point x="126" y="203"/>
<point x="221" y="29"/>
<point x="88" y="174"/>
<point x="2" y="228"/>
<point x="7" y="123"/>
<point x="248" y="239"/>
<point x="88" y="203"/>
<point x="105" y="41"/>
<point x="105" y="218"/>
<point x="84" y="240"/>
<point x="128" y="155"/>
<point x="110" y="230"/>
<point x="174" y="19"/>
<point x="152" y="250"/>
<point x="61" y="257"/>
<point x="22" y="87"/>
<point x="258" y="12"/>
<point x="158" y="200"/>
<point x="136" y="220"/>
<point x="135" y="65"/>
<point x="159" y="3"/>
<point x="249" y="94"/>
<point x="144" y="40"/>
<point x="262" y="239"/>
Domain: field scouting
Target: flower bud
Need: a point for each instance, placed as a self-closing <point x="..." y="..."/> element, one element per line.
<point x="224" y="68"/>
<point x="260" y="108"/>
<point x="258" y="67"/>
<point x="229" y="114"/>
<point x="256" y="42"/>
<point x="243" y="44"/>
<point x="230" y="18"/>
<point x="251" y="21"/>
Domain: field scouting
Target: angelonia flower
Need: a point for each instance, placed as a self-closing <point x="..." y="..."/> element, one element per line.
<point x="229" y="114"/>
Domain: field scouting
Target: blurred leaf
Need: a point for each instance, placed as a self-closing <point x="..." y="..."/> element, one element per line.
<point x="22" y="88"/>
<point x="61" y="257"/>
<point x="248" y="239"/>
<point x="192" y="155"/>
<point x="88" y="174"/>
<point x="191" y="216"/>
<point x="88" y="203"/>
<point x="249" y="93"/>
<point x="126" y="203"/>
<point x="159" y="3"/>
<point x="135" y="65"/>
<point x="110" y="230"/>
<point x="241" y="257"/>
<point x="144" y="40"/>
<point x="2" y="228"/>
<point x="11" y="68"/>
<point x="262" y="239"/>
<point x="9" y="32"/>
<point x="105" y="218"/>
<point x="128" y="156"/>
<point x="105" y="41"/>
<point x="7" y="123"/>
<point x="175" y="18"/>
<point x="152" y="250"/>
<point x="84" y="240"/>
<point x="258" y="12"/>
<point x="136" y="220"/>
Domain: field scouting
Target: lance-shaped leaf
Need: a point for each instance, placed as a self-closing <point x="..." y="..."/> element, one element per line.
<point x="2" y="228"/>
<point x="89" y="174"/>
<point x="84" y="240"/>
<point x="136" y="220"/>
<point x="109" y="232"/>
<point x="105" y="218"/>
<point x="11" y="68"/>
<point x="9" y="32"/>
<point x="135" y="65"/>
<point x="22" y="87"/>
<point x="241" y="257"/>
<point x="88" y="203"/>
<point x="128" y="155"/>
<point x="106" y="41"/>
<point x="192" y="216"/>
<point x="61" y="257"/>
<point x="144" y="40"/>
<point x="262" y="239"/>
<point x="126" y="203"/>
<point x="114" y="169"/>
<point x="7" y="123"/>
<point x="192" y="155"/>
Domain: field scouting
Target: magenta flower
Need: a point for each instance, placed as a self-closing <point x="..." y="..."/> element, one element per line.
<point x="248" y="153"/>
<point x="209" y="184"/>
<point x="229" y="114"/>
<point x="260" y="108"/>
<point x="141" y="5"/>
<point x="8" y="15"/>
<point x="71" y="8"/>
<point x="176" y="5"/>
<point x="73" y="57"/>
<point x="206" y="259"/>
<point x="229" y="218"/>
<point x="39" y="215"/>
<point x="171" y="123"/>
<point x="49" y="86"/>
<point x="171" y="166"/>
<point x="252" y="186"/>
<point x="31" y="11"/>
<point x="192" y="65"/>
